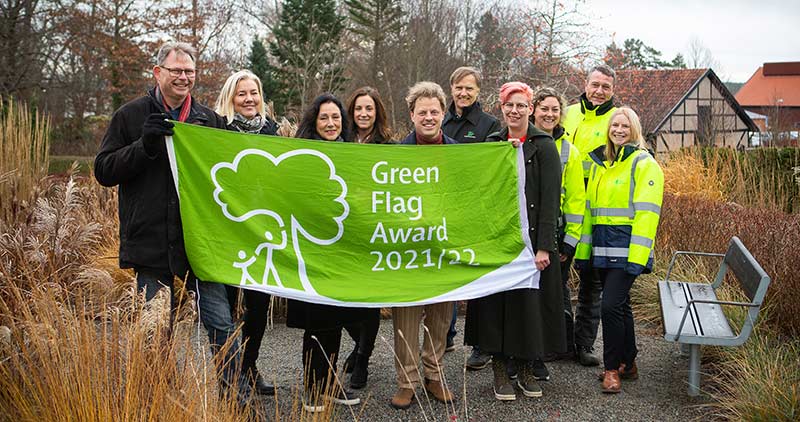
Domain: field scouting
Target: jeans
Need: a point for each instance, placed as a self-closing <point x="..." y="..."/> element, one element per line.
<point x="214" y="309"/>
<point x="619" y="338"/>
<point x="587" y="312"/>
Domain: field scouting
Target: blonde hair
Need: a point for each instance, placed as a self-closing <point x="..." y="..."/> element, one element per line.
<point x="636" y="132"/>
<point x="425" y="90"/>
<point x="224" y="106"/>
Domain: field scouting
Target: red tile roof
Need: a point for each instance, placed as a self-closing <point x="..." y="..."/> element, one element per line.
<point x="765" y="90"/>
<point x="654" y="93"/>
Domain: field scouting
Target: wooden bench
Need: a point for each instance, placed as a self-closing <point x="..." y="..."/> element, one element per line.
<point x="692" y="313"/>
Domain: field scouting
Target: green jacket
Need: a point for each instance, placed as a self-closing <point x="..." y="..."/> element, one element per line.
<point x="573" y="191"/>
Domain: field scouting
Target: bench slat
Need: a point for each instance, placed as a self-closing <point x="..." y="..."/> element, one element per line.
<point x="704" y="320"/>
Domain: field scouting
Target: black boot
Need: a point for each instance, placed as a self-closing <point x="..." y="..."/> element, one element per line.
<point x="358" y="379"/>
<point x="350" y="362"/>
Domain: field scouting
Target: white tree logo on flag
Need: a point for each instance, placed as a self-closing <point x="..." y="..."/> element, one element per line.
<point x="240" y="209"/>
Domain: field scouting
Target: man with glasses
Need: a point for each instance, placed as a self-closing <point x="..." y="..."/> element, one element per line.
<point x="133" y="156"/>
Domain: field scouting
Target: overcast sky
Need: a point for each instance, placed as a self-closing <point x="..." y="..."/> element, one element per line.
<point x="741" y="34"/>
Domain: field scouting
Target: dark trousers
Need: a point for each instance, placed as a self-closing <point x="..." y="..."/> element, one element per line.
<point x="451" y="332"/>
<point x="316" y="354"/>
<point x="364" y="333"/>
<point x="619" y="338"/>
<point x="569" y="325"/>
<point x="254" y="322"/>
<point x="587" y="312"/>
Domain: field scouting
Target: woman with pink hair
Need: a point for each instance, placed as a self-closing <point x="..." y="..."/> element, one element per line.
<point x="520" y="326"/>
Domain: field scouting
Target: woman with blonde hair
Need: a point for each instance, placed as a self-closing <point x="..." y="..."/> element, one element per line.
<point x="241" y="103"/>
<point x="624" y="196"/>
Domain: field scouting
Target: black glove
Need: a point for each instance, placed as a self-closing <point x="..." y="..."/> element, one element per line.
<point x="155" y="128"/>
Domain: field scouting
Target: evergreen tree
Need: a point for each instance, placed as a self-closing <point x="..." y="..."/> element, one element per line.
<point x="307" y="51"/>
<point x="494" y="49"/>
<point x="377" y="21"/>
<point x="258" y="63"/>
<point x="678" y="62"/>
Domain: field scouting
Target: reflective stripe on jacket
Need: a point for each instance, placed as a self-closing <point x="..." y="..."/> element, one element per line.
<point x="623" y="207"/>
<point x="588" y="128"/>
<point x="573" y="192"/>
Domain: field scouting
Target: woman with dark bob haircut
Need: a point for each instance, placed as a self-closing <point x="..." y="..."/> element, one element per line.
<point x="367" y="121"/>
<point x="322" y="323"/>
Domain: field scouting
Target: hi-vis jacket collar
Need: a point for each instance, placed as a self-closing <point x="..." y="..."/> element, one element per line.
<point x="598" y="110"/>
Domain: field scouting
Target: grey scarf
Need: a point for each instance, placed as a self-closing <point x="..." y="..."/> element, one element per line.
<point x="243" y="124"/>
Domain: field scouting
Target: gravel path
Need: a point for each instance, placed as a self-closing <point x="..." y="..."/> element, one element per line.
<point x="572" y="394"/>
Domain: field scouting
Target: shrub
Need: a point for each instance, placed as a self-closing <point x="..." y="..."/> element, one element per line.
<point x="696" y="224"/>
<point x="23" y="157"/>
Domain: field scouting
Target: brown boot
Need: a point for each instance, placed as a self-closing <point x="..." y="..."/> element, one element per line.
<point x="624" y="373"/>
<point x="403" y="398"/>
<point x="631" y="373"/>
<point x="611" y="382"/>
<point x="438" y="391"/>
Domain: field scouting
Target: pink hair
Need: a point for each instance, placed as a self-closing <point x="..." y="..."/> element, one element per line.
<point x="510" y="88"/>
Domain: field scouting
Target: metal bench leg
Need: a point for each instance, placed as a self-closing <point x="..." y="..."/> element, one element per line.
<point x="694" y="370"/>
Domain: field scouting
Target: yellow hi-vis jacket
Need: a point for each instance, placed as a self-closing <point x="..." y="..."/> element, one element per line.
<point x="588" y="127"/>
<point x="623" y="205"/>
<point x="573" y="192"/>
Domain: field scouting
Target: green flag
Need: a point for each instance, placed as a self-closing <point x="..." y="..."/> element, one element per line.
<point x="352" y="224"/>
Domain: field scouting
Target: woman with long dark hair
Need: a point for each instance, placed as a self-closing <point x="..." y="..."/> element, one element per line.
<point x="367" y="121"/>
<point x="323" y="120"/>
<point x="367" y="125"/>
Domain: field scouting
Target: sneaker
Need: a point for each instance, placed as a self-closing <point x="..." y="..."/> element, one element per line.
<point x="312" y="402"/>
<point x="403" y="398"/>
<point x="478" y="360"/>
<point x="345" y="397"/>
<point x="511" y="368"/>
<point x="540" y="371"/>
<point x="585" y="356"/>
<point x="503" y="390"/>
<point x="527" y="380"/>
<point x="530" y="388"/>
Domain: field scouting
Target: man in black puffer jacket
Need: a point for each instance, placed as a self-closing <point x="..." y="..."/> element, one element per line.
<point x="133" y="156"/>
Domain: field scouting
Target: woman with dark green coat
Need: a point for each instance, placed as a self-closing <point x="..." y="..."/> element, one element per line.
<point x="525" y="324"/>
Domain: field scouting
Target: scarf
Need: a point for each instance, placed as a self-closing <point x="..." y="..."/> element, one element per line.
<point x="243" y="124"/>
<point x="185" y="107"/>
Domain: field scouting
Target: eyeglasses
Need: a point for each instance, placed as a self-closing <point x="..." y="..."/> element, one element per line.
<point x="512" y="106"/>
<point x="176" y="73"/>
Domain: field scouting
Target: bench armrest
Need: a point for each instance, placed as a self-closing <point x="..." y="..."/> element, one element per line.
<point x="716" y="302"/>
<point x="675" y="256"/>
